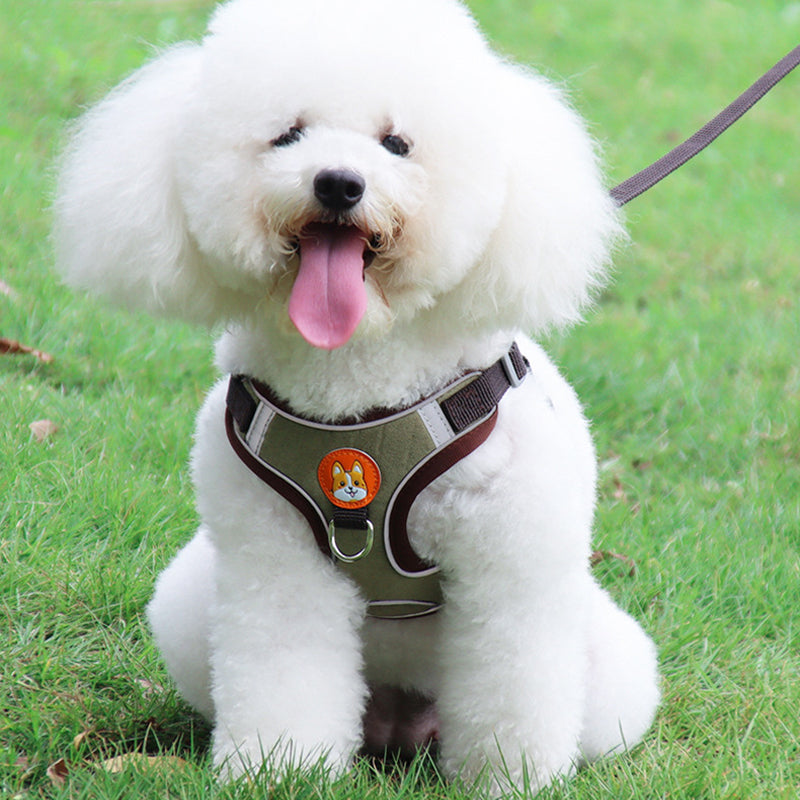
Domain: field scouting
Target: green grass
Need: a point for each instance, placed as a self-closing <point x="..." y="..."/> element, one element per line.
<point x="688" y="368"/>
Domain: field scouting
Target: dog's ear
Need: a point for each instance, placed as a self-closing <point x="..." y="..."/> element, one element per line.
<point x="558" y="227"/>
<point x="120" y="229"/>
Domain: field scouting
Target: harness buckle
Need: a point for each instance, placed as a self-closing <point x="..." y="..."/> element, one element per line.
<point x="369" y="538"/>
<point x="511" y="371"/>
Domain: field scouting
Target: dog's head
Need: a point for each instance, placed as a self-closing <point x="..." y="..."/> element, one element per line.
<point x="343" y="164"/>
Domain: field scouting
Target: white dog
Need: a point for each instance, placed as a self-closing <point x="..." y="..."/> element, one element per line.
<point x="377" y="207"/>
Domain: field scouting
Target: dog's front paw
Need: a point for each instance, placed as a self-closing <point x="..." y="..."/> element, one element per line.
<point x="233" y="760"/>
<point x="496" y="771"/>
<point x="253" y="757"/>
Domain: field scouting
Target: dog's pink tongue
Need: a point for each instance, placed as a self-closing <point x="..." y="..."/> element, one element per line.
<point x="329" y="298"/>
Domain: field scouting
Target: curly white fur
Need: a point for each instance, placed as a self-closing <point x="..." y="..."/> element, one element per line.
<point x="177" y="194"/>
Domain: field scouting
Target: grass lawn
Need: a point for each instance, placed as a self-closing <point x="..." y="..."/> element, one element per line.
<point x="688" y="367"/>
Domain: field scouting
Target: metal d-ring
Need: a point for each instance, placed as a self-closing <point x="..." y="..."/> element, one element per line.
<point x="370" y="538"/>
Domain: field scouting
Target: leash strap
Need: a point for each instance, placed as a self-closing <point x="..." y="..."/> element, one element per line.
<point x="676" y="158"/>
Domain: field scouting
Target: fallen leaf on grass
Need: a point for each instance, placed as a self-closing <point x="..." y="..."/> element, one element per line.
<point x="58" y="772"/>
<point x="599" y="556"/>
<point x="13" y="347"/>
<point x="82" y="737"/>
<point x="42" y="429"/>
<point x="621" y="495"/>
<point x="141" y="762"/>
<point x="149" y="688"/>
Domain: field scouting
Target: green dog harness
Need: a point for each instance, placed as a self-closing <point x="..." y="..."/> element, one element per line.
<point x="355" y="482"/>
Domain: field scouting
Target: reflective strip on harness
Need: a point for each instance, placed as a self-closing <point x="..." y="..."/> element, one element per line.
<point x="355" y="483"/>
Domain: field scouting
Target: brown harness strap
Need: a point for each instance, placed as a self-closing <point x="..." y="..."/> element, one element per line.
<point x="276" y="482"/>
<point x="437" y="465"/>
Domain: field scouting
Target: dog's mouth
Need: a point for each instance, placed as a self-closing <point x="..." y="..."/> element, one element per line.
<point x="329" y="296"/>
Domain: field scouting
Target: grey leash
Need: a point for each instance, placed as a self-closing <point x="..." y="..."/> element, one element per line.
<point x="650" y="176"/>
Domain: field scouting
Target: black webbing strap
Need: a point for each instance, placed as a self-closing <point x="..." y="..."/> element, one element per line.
<point x="650" y="176"/>
<point x="352" y="519"/>
<point x="240" y="403"/>
<point x="479" y="398"/>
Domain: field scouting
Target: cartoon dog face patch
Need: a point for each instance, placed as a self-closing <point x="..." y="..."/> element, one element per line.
<point x="349" y="486"/>
<point x="350" y="478"/>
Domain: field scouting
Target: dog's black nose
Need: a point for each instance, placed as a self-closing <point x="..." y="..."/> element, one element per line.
<point x="339" y="189"/>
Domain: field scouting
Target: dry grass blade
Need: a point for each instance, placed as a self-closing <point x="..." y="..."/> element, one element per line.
<point x="600" y="556"/>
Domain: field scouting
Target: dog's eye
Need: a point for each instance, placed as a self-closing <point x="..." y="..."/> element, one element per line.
<point x="294" y="134"/>
<point x="396" y="145"/>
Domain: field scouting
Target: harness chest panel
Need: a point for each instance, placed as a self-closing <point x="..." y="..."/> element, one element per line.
<point x="355" y="483"/>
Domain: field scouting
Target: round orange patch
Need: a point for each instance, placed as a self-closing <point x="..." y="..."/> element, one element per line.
<point x="350" y="478"/>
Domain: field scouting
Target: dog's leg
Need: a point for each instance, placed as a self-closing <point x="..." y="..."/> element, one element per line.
<point x="286" y="657"/>
<point x="523" y="671"/>
<point x="179" y="619"/>
<point x="514" y="688"/>
<point x="622" y="689"/>
<point x="518" y="587"/>
<point x="285" y="626"/>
